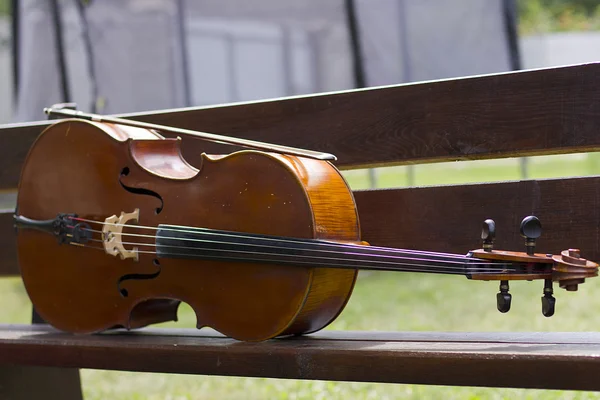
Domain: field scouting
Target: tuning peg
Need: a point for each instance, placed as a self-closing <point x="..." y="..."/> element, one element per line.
<point x="531" y="229"/>
<point x="488" y="234"/>
<point x="503" y="299"/>
<point x="548" y="301"/>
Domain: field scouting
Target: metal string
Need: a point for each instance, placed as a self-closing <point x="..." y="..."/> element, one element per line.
<point x="338" y="262"/>
<point x="461" y="263"/>
<point x="314" y="242"/>
<point x="412" y="268"/>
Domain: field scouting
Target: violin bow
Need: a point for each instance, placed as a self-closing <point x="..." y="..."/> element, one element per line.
<point x="68" y="111"/>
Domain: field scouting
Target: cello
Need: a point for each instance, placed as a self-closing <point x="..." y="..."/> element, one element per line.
<point x="115" y="229"/>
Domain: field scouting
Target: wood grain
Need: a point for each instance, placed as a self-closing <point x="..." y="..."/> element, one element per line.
<point x="503" y="360"/>
<point x="449" y="218"/>
<point x="502" y="115"/>
<point x="248" y="191"/>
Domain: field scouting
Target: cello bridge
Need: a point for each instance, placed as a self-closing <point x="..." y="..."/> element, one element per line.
<point x="112" y="235"/>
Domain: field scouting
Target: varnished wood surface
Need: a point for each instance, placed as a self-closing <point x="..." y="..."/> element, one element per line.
<point x="530" y="112"/>
<point x="569" y="361"/>
<point x="248" y="191"/>
<point x="449" y="218"/>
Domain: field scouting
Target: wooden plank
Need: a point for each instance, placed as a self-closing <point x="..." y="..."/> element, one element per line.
<point x="502" y="115"/>
<point x="405" y="336"/>
<point x="362" y="357"/>
<point x="48" y="383"/>
<point x="16" y="141"/>
<point x="8" y="245"/>
<point x="449" y="218"/>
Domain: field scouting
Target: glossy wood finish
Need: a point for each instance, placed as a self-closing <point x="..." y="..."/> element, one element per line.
<point x="335" y="218"/>
<point x="543" y="259"/>
<point x="513" y="256"/>
<point x="83" y="168"/>
<point x="564" y="268"/>
<point x="544" y="360"/>
<point x="548" y="111"/>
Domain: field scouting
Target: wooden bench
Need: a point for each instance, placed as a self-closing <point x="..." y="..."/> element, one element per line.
<point x="548" y="111"/>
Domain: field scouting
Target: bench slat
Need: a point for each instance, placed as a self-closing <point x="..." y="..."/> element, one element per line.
<point x="504" y="361"/>
<point x="449" y="218"/>
<point x="8" y="246"/>
<point x="503" y="115"/>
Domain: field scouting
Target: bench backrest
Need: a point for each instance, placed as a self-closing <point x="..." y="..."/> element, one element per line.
<point x="539" y="112"/>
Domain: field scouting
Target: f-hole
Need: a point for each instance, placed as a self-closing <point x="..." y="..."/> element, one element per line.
<point x="129" y="277"/>
<point x="142" y="191"/>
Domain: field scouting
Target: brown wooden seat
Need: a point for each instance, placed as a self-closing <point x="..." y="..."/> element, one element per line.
<point x="548" y="111"/>
<point x="528" y="360"/>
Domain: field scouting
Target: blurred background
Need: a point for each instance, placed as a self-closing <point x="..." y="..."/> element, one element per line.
<point x="121" y="56"/>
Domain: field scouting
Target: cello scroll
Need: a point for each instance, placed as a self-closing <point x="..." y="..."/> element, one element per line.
<point x="568" y="269"/>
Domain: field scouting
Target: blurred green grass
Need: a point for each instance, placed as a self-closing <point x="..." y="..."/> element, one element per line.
<point x="383" y="302"/>
<point x="541" y="167"/>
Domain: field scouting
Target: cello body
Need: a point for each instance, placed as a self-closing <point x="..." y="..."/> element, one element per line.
<point x="96" y="170"/>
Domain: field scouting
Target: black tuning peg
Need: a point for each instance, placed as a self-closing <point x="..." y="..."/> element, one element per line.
<point x="488" y="234"/>
<point x="548" y="301"/>
<point x="503" y="298"/>
<point x="531" y="229"/>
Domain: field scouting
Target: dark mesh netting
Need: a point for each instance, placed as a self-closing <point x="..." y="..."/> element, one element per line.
<point x="136" y="55"/>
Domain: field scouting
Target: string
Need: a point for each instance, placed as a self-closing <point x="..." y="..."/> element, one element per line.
<point x="274" y="238"/>
<point x="324" y="261"/>
<point x="314" y="242"/>
<point x="462" y="263"/>
<point x="446" y="268"/>
<point x="451" y="270"/>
